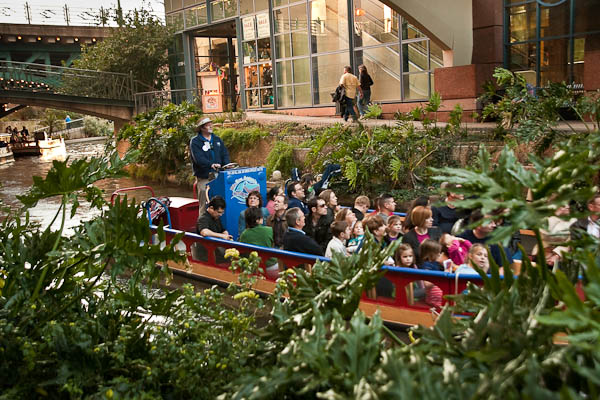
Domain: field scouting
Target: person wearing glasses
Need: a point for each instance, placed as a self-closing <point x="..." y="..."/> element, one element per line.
<point x="208" y="153"/>
<point x="317" y="225"/>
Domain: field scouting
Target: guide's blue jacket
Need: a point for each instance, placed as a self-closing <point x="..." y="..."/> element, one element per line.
<point x="206" y="152"/>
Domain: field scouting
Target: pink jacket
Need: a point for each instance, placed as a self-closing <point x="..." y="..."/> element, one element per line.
<point x="459" y="251"/>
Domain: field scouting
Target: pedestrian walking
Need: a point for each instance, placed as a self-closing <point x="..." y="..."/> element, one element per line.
<point x="351" y="85"/>
<point x="364" y="96"/>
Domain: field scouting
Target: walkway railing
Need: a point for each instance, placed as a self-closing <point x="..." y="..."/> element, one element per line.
<point x="66" y="81"/>
<point x="145" y="101"/>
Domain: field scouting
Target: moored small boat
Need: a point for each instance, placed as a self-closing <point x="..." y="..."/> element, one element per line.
<point x="6" y="155"/>
<point x="46" y="147"/>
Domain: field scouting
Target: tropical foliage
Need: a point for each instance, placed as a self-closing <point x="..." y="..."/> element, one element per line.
<point x="162" y="137"/>
<point x="84" y="315"/>
<point x="138" y="46"/>
<point x="398" y="155"/>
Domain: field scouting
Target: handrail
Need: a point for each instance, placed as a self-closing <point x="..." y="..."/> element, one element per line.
<point x="129" y="189"/>
<point x="147" y="207"/>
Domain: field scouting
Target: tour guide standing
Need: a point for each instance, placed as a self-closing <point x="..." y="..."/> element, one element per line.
<point x="351" y="84"/>
<point x="208" y="153"/>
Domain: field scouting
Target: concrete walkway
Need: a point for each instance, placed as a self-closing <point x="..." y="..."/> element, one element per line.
<point x="273" y="118"/>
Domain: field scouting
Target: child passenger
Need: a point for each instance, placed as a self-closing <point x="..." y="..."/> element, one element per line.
<point x="478" y="256"/>
<point x="430" y="253"/>
<point x="394" y="229"/>
<point x="341" y="233"/>
<point x="455" y="248"/>
<point x="404" y="257"/>
<point x="358" y="233"/>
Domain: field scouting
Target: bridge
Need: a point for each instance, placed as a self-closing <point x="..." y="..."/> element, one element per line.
<point x="106" y="95"/>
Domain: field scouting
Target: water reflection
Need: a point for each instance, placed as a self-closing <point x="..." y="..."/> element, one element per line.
<point x="16" y="179"/>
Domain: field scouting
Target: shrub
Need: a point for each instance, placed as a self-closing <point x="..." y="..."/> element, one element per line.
<point x="93" y="126"/>
<point x="374" y="112"/>
<point x="281" y="158"/>
<point x="241" y="138"/>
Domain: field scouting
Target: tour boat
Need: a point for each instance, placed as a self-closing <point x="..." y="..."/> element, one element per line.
<point x="48" y="148"/>
<point x="205" y="263"/>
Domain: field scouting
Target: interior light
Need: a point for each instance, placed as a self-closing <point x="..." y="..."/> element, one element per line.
<point x="19" y="37"/>
<point x="76" y="39"/>
<point x="359" y="12"/>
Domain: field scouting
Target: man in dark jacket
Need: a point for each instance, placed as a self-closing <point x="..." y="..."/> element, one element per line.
<point x="208" y="154"/>
<point x="295" y="239"/>
<point x="318" y="224"/>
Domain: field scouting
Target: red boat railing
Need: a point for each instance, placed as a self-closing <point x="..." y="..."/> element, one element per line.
<point x="209" y="251"/>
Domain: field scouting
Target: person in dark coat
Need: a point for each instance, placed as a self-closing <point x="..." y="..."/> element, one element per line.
<point x="208" y="153"/>
<point x="481" y="234"/>
<point x="295" y="239"/>
<point x="589" y="225"/>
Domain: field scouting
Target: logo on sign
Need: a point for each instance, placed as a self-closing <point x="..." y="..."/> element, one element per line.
<point x="242" y="186"/>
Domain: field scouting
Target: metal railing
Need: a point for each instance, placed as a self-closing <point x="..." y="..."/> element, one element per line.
<point x="145" y="101"/>
<point x="66" y="81"/>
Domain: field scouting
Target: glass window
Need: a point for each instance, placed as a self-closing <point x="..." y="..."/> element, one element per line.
<point x="301" y="70"/>
<point x="251" y="76"/>
<point x="383" y="65"/>
<point x="253" y="98"/>
<point x="246" y="7"/>
<point x="264" y="49"/>
<point x="586" y="16"/>
<point x="436" y="56"/>
<point x="281" y="21"/>
<point x="302" y="95"/>
<point x="522" y="22"/>
<point x="187" y="3"/>
<point x="554" y="60"/>
<point x="409" y="31"/>
<point x="168" y="7"/>
<point x="555" y="21"/>
<point x="266" y="74"/>
<point x="285" y="96"/>
<point x="374" y="23"/>
<point x="176" y="4"/>
<point x="327" y="70"/>
<point x="284" y="72"/>
<point x="415" y="56"/>
<point x="249" y="52"/>
<point x="261" y="5"/>
<point x="266" y="96"/>
<point x="416" y="86"/>
<point x="579" y="54"/>
<point x="282" y="46"/>
<point x="523" y="57"/>
<point x="329" y="25"/>
<point x="175" y="21"/>
<point x="299" y="44"/>
<point x="277" y="3"/>
<point x="298" y="17"/>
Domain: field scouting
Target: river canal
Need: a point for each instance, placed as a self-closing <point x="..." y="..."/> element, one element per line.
<point x="16" y="179"/>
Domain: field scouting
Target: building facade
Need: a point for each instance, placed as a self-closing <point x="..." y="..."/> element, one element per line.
<point x="289" y="54"/>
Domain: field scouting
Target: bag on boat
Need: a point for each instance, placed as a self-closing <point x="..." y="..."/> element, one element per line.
<point x="156" y="209"/>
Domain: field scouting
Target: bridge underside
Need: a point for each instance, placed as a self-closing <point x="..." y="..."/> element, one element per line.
<point x="119" y="111"/>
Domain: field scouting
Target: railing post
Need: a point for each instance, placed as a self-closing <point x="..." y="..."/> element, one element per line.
<point x="28" y="13"/>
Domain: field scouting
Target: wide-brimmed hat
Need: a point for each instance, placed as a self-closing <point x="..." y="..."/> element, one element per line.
<point x="203" y="121"/>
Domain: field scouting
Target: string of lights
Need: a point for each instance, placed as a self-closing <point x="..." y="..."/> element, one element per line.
<point x="62" y="14"/>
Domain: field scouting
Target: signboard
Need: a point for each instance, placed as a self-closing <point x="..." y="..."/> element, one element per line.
<point x="248" y="28"/>
<point x="262" y="25"/>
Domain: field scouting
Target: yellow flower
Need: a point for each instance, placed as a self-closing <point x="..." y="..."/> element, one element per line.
<point x="33" y="306"/>
<point x="186" y="325"/>
<point x="248" y="293"/>
<point x="109" y="394"/>
<point x="198" y="294"/>
<point x="232" y="253"/>
<point x="254" y="254"/>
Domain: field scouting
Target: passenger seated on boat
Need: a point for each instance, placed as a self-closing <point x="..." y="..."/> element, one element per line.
<point x="3" y="144"/>
<point x="296" y="196"/>
<point x="481" y="235"/>
<point x="361" y="205"/>
<point x="209" y="223"/>
<point x="341" y="232"/>
<point x="375" y="225"/>
<point x="25" y="133"/>
<point x="254" y="199"/>
<point x="404" y="257"/>
<point x="421" y="217"/>
<point x="258" y="234"/>
<point x="346" y="214"/>
<point x="274" y="191"/>
<point x="295" y="239"/>
<point x="444" y="217"/>
<point x="423" y="201"/>
<point x="386" y="205"/>
<point x="478" y="255"/>
<point x="430" y="252"/>
<point x="277" y="219"/>
<point x="318" y="225"/>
